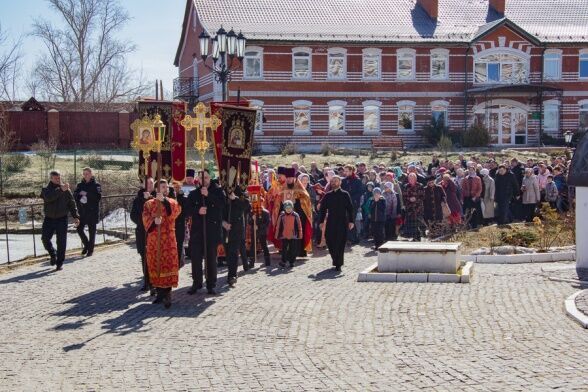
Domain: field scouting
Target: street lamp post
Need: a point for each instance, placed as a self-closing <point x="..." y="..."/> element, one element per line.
<point x="568" y="136"/>
<point x="225" y="47"/>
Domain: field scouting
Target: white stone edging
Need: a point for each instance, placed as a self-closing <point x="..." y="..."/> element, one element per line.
<point x="573" y="311"/>
<point x="522" y="258"/>
<point x="368" y="275"/>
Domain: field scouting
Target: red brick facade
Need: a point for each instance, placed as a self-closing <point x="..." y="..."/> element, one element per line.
<point x="504" y="106"/>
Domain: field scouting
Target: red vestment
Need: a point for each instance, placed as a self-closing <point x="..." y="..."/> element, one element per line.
<point x="161" y="249"/>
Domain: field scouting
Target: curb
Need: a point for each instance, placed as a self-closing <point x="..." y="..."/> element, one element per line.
<point x="573" y="311"/>
<point x="521" y="259"/>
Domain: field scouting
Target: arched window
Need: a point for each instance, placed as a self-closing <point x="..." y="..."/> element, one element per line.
<point x="253" y="63"/>
<point x="337" y="117"/>
<point x="440" y="112"/>
<point x="501" y="65"/>
<point x="371" y="117"/>
<point x="337" y="63"/>
<point x="258" y="105"/>
<point x="405" y="63"/>
<point x="406" y="116"/>
<point x="439" y="64"/>
<point x="301" y="63"/>
<point x="301" y="117"/>
<point x="372" y="63"/>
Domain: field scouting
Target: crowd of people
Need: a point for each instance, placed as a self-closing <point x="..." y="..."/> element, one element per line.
<point x="300" y="209"/>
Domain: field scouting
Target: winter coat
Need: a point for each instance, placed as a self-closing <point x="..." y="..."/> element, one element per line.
<point x="551" y="192"/>
<point x="88" y="207"/>
<point x="57" y="203"/>
<point x="489" y="193"/>
<point x="531" y="194"/>
<point x="354" y="187"/>
<point x="506" y="187"/>
<point x="378" y="211"/>
<point x="451" y="197"/>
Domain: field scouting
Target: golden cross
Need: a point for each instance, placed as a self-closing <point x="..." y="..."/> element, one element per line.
<point x="201" y="123"/>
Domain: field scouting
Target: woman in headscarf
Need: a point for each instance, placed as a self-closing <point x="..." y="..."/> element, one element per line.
<point x="452" y="199"/>
<point x="488" y="199"/>
<point x="413" y="196"/>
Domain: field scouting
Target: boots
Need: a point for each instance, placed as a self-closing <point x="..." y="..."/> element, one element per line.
<point x="167" y="298"/>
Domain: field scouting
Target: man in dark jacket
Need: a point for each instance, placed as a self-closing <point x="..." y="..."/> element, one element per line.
<point x="87" y="195"/>
<point x="337" y="204"/>
<point x="234" y="231"/>
<point x="182" y="200"/>
<point x="205" y="204"/>
<point x="262" y="222"/>
<point x="143" y="195"/>
<point x="58" y="201"/>
<point x="352" y="185"/>
<point x="506" y="188"/>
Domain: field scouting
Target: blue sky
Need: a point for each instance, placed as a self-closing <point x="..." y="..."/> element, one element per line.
<point x="155" y="28"/>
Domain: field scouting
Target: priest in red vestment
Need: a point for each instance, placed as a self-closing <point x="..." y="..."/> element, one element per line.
<point x="159" y="216"/>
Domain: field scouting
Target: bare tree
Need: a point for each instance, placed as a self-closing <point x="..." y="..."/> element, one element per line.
<point x="10" y="60"/>
<point x="84" y="61"/>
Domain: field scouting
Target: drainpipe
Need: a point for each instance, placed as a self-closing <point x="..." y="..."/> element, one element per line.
<point x="540" y="94"/>
<point x="465" y="90"/>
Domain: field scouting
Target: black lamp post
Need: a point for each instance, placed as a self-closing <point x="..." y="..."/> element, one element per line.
<point x="568" y="136"/>
<point x="224" y="45"/>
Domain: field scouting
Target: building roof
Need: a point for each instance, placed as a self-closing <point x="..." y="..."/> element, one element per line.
<point x="390" y="21"/>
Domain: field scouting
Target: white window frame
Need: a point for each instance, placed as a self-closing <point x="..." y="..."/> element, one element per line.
<point x="302" y="50"/>
<point x="404" y="52"/>
<point x="583" y="56"/>
<point x="552" y="103"/>
<point x="259" y="51"/>
<point x="337" y="51"/>
<point x="336" y="104"/>
<point x="411" y="104"/>
<point x="371" y="52"/>
<point x="377" y="105"/>
<point x="445" y="106"/>
<point x="257" y="104"/>
<point x="500" y="51"/>
<point x="580" y="110"/>
<point x="295" y="108"/>
<point x="439" y="52"/>
<point x="557" y="52"/>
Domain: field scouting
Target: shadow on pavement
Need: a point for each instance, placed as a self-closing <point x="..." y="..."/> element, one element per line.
<point x="329" y="273"/>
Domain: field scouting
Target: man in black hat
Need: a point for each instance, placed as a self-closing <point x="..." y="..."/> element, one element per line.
<point x="205" y="204"/>
<point x="339" y="208"/>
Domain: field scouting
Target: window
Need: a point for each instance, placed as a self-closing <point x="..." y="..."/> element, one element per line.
<point x="502" y="68"/>
<point x="301" y="63"/>
<point x="372" y="63"/>
<point x="371" y="117"/>
<point x="439" y="64"/>
<point x="551" y="116"/>
<point x="253" y="63"/>
<point x="405" y="63"/>
<point x="406" y="116"/>
<point x="583" y="115"/>
<point x="552" y="64"/>
<point x="584" y="64"/>
<point x="255" y="104"/>
<point x="337" y="116"/>
<point x="337" y="63"/>
<point x="439" y="112"/>
<point x="301" y="117"/>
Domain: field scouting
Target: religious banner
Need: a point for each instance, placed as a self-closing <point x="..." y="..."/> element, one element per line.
<point x="217" y="135"/>
<point x="173" y="147"/>
<point x="236" y="145"/>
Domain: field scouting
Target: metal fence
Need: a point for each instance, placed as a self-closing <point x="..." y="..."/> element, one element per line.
<point x="23" y="228"/>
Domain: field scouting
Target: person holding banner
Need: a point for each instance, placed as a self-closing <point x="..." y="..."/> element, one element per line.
<point x="206" y="205"/>
<point x="159" y="219"/>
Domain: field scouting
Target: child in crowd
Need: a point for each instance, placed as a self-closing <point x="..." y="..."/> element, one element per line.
<point x="378" y="217"/>
<point x="289" y="231"/>
<point x="551" y="192"/>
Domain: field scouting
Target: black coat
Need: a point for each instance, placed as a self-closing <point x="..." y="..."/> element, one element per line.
<point x="57" y="203"/>
<point x="137" y="218"/>
<point x="378" y="210"/>
<point x="215" y="203"/>
<point x="506" y="187"/>
<point x="340" y="209"/>
<point x="181" y="219"/>
<point x="354" y="187"/>
<point x="90" y="210"/>
<point x="235" y="211"/>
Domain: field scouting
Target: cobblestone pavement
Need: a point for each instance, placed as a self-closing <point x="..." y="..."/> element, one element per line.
<point x="88" y="328"/>
<point x="582" y="302"/>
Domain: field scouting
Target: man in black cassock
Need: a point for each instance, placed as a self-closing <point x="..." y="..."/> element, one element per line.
<point x="337" y="209"/>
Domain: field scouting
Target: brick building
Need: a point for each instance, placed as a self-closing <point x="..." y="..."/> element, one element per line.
<point x="348" y="71"/>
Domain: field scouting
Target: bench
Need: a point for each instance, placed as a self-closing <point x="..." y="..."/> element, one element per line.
<point x="387" y="143"/>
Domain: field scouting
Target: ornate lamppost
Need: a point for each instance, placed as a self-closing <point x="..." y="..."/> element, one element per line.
<point x="224" y="45"/>
<point x="568" y="136"/>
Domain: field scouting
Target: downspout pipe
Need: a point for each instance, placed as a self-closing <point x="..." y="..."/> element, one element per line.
<point x="465" y="90"/>
<point x="540" y="93"/>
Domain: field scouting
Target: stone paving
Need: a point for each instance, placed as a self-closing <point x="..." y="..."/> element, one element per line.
<point x="88" y="328"/>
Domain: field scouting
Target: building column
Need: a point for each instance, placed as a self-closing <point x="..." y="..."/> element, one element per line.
<point x="53" y="125"/>
<point x="124" y="138"/>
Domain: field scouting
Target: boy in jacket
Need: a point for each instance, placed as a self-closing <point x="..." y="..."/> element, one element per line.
<point x="289" y="231"/>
